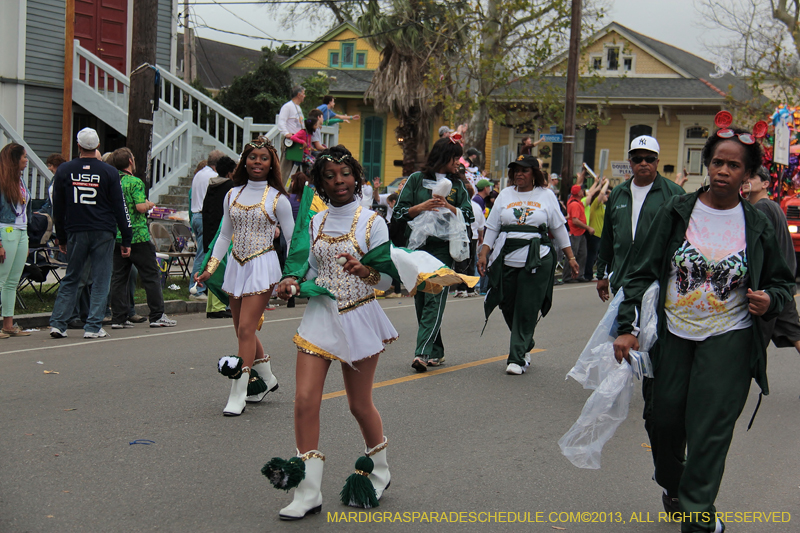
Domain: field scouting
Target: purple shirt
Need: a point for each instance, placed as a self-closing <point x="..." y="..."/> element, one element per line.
<point x="478" y="199"/>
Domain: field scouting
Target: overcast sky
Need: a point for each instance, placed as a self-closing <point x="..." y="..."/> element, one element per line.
<point x="676" y="22"/>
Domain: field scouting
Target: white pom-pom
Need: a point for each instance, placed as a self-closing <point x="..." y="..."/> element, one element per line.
<point x="293" y="290"/>
<point x="193" y="289"/>
<point x="342" y="260"/>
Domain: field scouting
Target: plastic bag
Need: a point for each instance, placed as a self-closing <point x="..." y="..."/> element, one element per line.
<point x="459" y="244"/>
<point x="603" y="412"/>
<point x="591" y="368"/>
<point x="440" y="223"/>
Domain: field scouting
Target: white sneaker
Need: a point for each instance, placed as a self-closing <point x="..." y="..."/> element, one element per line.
<point x="57" y="333"/>
<point x="99" y="335"/>
<point x="515" y="369"/>
<point x="527" y="357"/>
<point x="126" y="324"/>
<point x="164" y="322"/>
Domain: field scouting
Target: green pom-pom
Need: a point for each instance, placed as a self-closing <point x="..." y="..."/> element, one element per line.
<point x="230" y="366"/>
<point x="358" y="490"/>
<point x="285" y="474"/>
<point x="256" y="385"/>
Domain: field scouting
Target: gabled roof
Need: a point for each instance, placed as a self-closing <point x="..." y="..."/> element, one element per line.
<point x="705" y="82"/>
<point x="323" y="40"/>
<point x="340" y="82"/>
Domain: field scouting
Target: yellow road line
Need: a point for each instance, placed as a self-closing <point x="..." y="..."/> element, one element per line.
<point x="427" y="374"/>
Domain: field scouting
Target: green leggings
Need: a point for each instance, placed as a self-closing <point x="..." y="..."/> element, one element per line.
<point x="15" y="244"/>
<point x="699" y="391"/>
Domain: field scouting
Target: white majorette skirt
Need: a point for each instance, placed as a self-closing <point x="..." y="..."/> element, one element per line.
<point x="257" y="276"/>
<point x="358" y="333"/>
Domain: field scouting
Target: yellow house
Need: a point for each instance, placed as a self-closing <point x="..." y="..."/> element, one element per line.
<point x="349" y="62"/>
<point x="648" y="88"/>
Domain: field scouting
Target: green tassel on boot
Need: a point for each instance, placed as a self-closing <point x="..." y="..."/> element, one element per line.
<point x="256" y="385"/>
<point x="230" y="366"/>
<point x="358" y="490"/>
<point x="285" y="474"/>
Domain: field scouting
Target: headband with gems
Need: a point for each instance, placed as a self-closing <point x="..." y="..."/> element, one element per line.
<point x="332" y="159"/>
<point x="256" y="144"/>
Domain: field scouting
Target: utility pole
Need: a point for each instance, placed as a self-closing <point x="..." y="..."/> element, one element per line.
<point x="568" y="149"/>
<point x="140" y="105"/>
<point x="188" y="41"/>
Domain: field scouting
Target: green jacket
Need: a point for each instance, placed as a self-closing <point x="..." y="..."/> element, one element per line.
<point x="767" y="271"/>
<point x="616" y="242"/>
<point x="414" y="193"/>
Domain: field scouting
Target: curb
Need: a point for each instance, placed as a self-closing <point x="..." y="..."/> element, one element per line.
<point x="171" y="307"/>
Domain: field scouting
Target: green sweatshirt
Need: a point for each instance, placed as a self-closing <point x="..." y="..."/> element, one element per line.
<point x="766" y="268"/>
<point x="617" y="241"/>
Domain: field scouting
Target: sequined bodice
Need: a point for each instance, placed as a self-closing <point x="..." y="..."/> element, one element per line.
<point x="350" y="290"/>
<point x="253" y="227"/>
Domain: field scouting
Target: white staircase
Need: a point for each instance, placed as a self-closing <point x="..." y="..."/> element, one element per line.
<point x="186" y="127"/>
<point x="36" y="175"/>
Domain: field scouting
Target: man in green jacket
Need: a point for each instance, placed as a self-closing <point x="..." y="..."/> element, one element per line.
<point x="630" y="209"/>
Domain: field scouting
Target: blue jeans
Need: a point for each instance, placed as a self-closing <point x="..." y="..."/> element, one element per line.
<point x="197" y="228"/>
<point x="97" y="246"/>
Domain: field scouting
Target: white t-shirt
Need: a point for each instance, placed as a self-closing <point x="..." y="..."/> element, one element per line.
<point x="480" y="220"/>
<point x="639" y="194"/>
<point x="316" y="138"/>
<point x="707" y="290"/>
<point x="290" y="119"/>
<point x="200" y="187"/>
<point x="531" y="208"/>
<point x="20" y="212"/>
<point x="366" y="196"/>
<point x="383" y="200"/>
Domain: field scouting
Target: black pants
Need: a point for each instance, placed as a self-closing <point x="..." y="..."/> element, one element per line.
<point x="592" y="249"/>
<point x="143" y="255"/>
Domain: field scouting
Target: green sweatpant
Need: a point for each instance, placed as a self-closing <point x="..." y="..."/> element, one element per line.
<point x="213" y="304"/>
<point x="430" y="310"/>
<point x="523" y="294"/>
<point x="699" y="391"/>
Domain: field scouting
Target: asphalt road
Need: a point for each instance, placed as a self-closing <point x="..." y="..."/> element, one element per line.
<point x="466" y="438"/>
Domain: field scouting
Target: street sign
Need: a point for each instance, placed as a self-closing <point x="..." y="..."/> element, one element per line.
<point x="620" y="169"/>
<point x="552" y="137"/>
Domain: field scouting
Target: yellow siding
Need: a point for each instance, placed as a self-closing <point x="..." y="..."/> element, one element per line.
<point x="489" y="146"/>
<point x="391" y="151"/>
<point x="318" y="58"/>
<point x="645" y="64"/>
<point x="350" y="134"/>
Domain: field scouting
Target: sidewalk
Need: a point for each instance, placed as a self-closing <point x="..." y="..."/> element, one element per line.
<point x="171" y="307"/>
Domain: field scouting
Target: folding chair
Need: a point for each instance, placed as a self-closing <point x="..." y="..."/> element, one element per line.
<point x="183" y="236"/>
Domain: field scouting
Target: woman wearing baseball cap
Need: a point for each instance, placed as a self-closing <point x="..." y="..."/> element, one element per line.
<point x="521" y="267"/>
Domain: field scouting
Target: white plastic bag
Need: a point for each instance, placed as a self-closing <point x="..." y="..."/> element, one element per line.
<point x="459" y="243"/>
<point x="603" y="412"/>
<point x="440" y="223"/>
<point x="591" y="368"/>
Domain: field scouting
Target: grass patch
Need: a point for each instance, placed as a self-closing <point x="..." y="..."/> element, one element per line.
<point x="34" y="305"/>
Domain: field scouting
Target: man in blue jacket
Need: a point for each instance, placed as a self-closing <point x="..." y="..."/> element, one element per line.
<point x="88" y="206"/>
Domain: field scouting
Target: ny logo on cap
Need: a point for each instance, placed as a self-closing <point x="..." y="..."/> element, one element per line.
<point x="642" y="142"/>
<point x="520" y="158"/>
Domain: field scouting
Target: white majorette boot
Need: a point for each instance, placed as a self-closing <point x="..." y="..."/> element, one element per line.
<point x="380" y="476"/>
<point x="236" y="401"/>
<point x="261" y="371"/>
<point x="307" y="495"/>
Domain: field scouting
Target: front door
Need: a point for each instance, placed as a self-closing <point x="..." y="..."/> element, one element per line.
<point x="372" y="158"/>
<point x="101" y="26"/>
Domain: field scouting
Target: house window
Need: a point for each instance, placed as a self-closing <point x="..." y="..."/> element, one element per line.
<point x="627" y="64"/>
<point x="348" y="51"/>
<point x="640" y="129"/>
<point x="333" y="59"/>
<point x="612" y="59"/>
<point x="361" y="59"/>
<point x="597" y="63"/>
<point x="697" y="132"/>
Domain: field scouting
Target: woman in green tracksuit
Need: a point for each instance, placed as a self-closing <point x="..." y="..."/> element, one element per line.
<point x="415" y="198"/>
<point x="718" y="265"/>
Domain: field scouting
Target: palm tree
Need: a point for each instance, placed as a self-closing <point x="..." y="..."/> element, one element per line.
<point x="411" y="35"/>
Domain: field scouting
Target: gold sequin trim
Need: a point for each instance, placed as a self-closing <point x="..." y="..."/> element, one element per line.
<point x="378" y="448"/>
<point x="261" y="204"/>
<point x="212" y="265"/>
<point x="374" y="277"/>
<point x="351" y="235"/>
<point x="251" y="293"/>
<point x="362" y="473"/>
<point x="311" y="455"/>
<point x="312" y="349"/>
<point x="358" y="303"/>
<point x="265" y="359"/>
<point x="243" y="260"/>
<point x="369" y="231"/>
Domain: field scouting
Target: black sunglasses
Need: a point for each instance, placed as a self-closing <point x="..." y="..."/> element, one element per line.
<point x="636" y="159"/>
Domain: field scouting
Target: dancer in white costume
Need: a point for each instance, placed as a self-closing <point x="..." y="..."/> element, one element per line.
<point x="352" y="328"/>
<point x="251" y="212"/>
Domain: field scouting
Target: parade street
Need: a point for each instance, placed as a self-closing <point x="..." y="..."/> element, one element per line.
<point x="127" y="434"/>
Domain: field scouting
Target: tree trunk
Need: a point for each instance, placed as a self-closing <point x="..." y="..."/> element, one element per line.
<point x="140" y="107"/>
